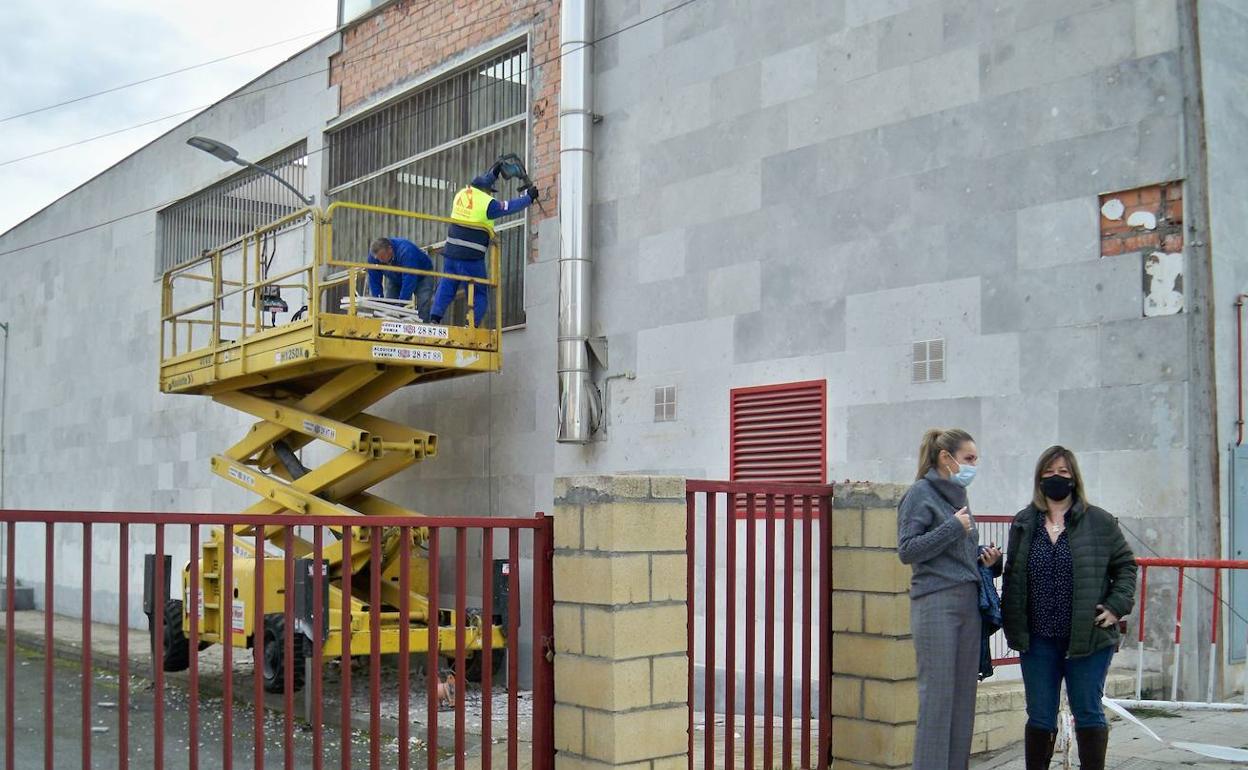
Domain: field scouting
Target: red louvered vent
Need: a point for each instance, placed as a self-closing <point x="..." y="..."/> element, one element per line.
<point x="778" y="434"/>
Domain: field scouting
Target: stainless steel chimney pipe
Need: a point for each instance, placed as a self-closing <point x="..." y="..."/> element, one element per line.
<point x="578" y="403"/>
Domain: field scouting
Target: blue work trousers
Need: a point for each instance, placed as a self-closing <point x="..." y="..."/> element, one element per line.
<point x="448" y="287"/>
<point x="392" y="288"/>
<point x="1045" y="665"/>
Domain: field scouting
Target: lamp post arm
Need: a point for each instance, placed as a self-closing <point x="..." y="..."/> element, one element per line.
<point x="307" y="201"/>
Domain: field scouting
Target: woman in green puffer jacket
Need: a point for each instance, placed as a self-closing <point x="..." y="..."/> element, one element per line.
<point x="1069" y="578"/>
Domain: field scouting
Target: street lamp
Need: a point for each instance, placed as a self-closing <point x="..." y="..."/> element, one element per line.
<point x="228" y="154"/>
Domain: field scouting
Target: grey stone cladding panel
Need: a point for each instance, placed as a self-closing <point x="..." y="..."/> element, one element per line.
<point x="1125" y="417"/>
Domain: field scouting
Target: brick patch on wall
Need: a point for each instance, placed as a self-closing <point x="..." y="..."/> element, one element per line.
<point x="1148" y="221"/>
<point x="1144" y="219"/>
<point x="411" y="38"/>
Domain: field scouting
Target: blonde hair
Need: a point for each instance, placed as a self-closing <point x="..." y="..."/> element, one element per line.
<point x="936" y="440"/>
<point x="1047" y="457"/>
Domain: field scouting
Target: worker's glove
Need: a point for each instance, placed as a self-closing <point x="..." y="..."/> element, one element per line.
<point x="532" y="192"/>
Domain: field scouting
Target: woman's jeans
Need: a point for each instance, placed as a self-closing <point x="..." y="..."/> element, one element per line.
<point x="1045" y="665"/>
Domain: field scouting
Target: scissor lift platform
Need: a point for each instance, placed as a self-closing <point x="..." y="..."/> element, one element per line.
<point x="309" y="377"/>
<point x="306" y="352"/>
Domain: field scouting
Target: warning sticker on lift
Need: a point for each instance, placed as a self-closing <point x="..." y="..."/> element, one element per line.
<point x="415" y="330"/>
<point x="406" y="354"/>
<point x="239" y="613"/>
<point x="186" y="599"/>
<point x="242" y="476"/>
<point x="320" y="430"/>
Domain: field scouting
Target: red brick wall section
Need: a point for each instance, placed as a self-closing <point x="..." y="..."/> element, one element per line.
<point x="1159" y="205"/>
<point x="418" y="36"/>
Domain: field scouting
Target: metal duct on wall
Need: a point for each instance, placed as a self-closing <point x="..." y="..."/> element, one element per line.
<point x="578" y="402"/>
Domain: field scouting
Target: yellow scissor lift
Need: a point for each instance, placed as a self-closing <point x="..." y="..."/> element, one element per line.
<point x="310" y="378"/>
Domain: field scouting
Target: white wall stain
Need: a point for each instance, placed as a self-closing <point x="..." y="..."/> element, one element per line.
<point x="1145" y="219"/>
<point x="1163" y="284"/>
<point x="1112" y="210"/>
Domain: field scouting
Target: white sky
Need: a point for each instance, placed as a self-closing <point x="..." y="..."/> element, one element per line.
<point x="54" y="51"/>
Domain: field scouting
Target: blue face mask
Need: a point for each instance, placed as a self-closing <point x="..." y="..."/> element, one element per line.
<point x="965" y="475"/>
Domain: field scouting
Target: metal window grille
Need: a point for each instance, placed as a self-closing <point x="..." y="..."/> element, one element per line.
<point x="928" y="364"/>
<point x="417" y="153"/>
<point x="665" y="404"/>
<point x="230" y="208"/>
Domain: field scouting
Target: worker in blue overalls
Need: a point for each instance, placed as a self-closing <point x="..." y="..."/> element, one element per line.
<point x="400" y="252"/>
<point x="467" y="244"/>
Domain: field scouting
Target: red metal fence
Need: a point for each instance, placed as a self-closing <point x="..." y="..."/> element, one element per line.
<point x="780" y="511"/>
<point x="537" y="600"/>
<point x="1183" y="566"/>
<point x="995" y="530"/>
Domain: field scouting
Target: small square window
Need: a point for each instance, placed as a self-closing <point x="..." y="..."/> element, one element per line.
<point x="929" y="361"/>
<point x="665" y="403"/>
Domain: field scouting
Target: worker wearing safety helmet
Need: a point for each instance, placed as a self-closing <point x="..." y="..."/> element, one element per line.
<point x="467" y="244"/>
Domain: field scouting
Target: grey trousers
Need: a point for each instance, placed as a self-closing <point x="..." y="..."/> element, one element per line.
<point x="946" y="628"/>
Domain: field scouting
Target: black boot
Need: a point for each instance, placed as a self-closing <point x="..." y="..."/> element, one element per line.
<point x="1092" y="744"/>
<point x="1039" y="747"/>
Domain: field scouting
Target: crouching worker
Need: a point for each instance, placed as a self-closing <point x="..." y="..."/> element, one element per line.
<point x="389" y="284"/>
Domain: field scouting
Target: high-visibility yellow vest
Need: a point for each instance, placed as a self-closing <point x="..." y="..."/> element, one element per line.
<point x="472" y="207"/>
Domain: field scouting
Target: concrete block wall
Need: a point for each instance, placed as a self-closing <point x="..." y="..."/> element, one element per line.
<point x="802" y="195"/>
<point x="621" y="665"/>
<point x="874" y="689"/>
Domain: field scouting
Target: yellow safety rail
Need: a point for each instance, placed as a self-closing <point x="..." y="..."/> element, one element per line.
<point x="356" y="270"/>
<point x="215" y="332"/>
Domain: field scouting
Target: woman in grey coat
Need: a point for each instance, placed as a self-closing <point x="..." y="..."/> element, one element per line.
<point x="937" y="537"/>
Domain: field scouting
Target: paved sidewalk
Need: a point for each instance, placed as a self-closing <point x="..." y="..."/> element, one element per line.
<point x="1131" y="749"/>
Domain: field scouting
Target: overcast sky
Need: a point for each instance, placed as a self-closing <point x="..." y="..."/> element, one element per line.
<point x="54" y="51"/>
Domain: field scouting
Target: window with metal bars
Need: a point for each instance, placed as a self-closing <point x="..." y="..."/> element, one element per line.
<point x="778" y="433"/>
<point x="230" y="208"/>
<point x="417" y="153"/>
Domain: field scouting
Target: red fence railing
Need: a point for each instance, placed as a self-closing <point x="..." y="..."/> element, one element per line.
<point x="774" y="516"/>
<point x="534" y="599"/>
<point x="1184" y="566"/>
<point x="996" y="530"/>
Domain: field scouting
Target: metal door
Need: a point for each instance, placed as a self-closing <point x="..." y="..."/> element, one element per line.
<point x="1239" y="550"/>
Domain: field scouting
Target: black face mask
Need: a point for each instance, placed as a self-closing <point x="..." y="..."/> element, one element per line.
<point x="1057" y="487"/>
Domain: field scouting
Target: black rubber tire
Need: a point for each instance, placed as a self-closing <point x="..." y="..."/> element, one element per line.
<point x="474" y="666"/>
<point x="177" y="648"/>
<point x="270" y="655"/>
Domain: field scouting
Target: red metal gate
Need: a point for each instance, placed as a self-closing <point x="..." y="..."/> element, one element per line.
<point x="781" y="512"/>
<point x="536" y="598"/>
